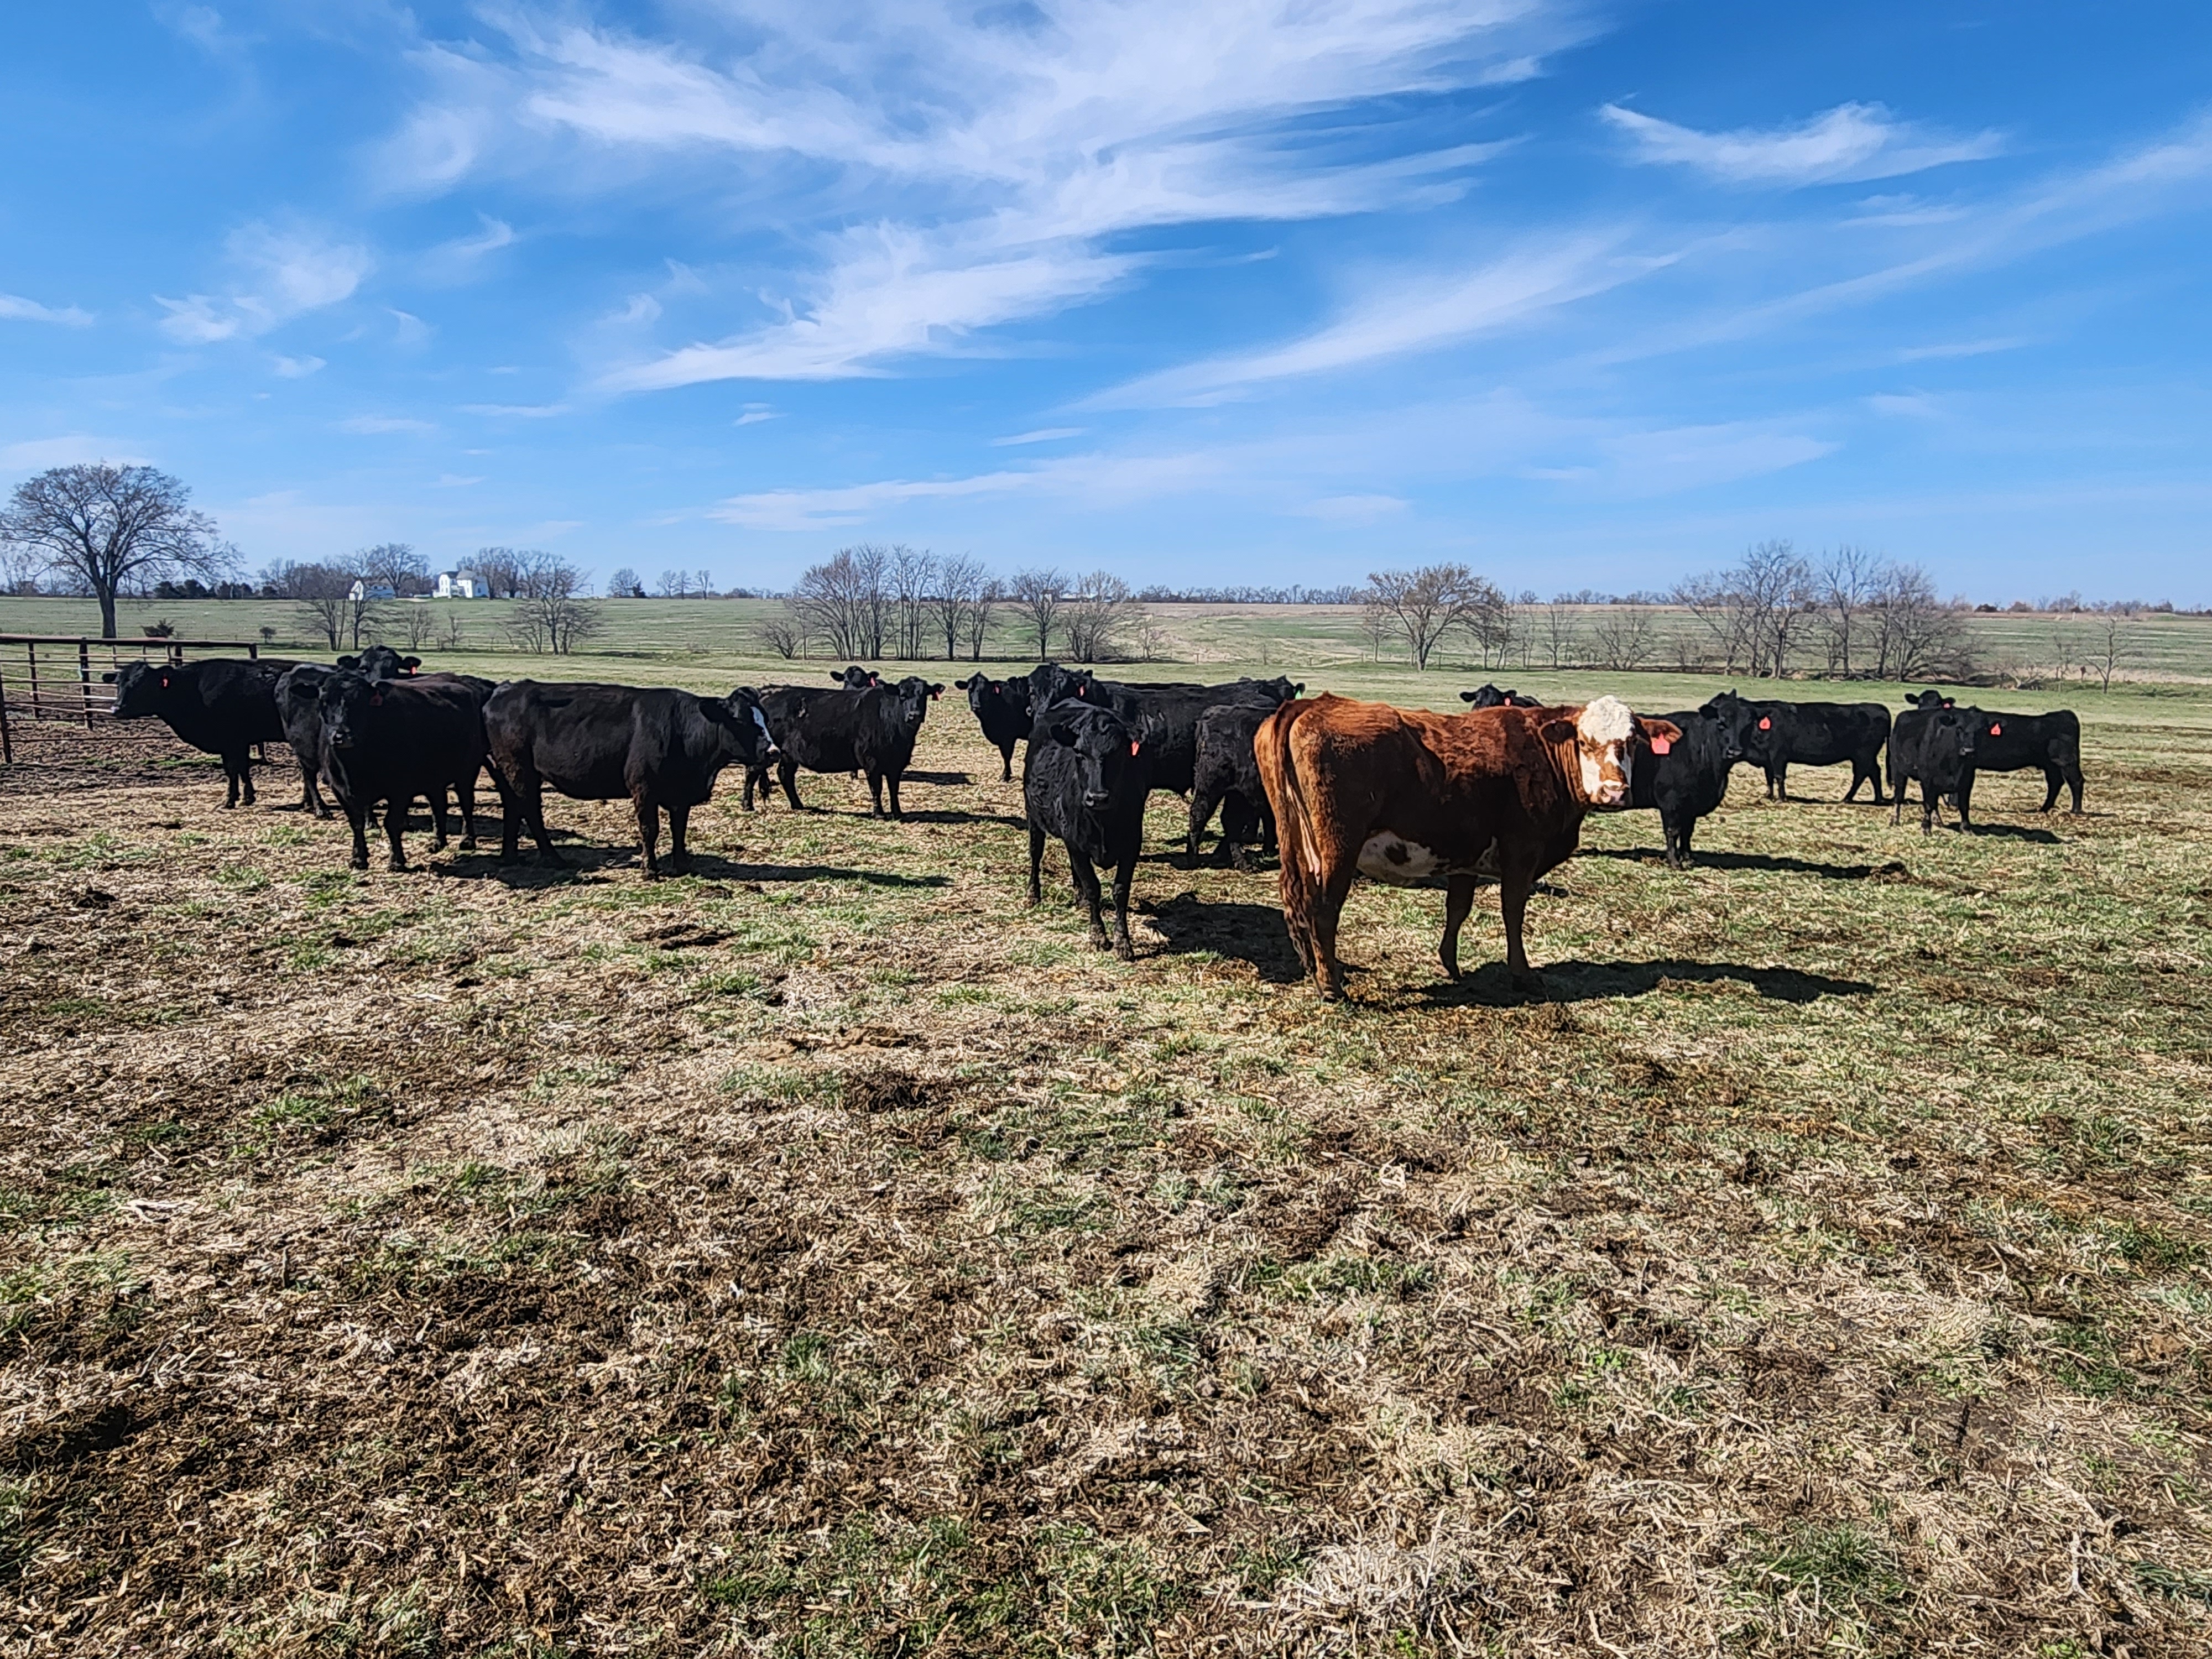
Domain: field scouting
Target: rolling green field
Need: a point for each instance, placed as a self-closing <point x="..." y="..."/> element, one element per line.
<point x="822" y="1255"/>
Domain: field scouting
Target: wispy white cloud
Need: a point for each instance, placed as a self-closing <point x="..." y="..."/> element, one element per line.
<point x="36" y="454"/>
<point x="1042" y="436"/>
<point x="987" y="158"/>
<point x="284" y="273"/>
<point x="1960" y="349"/>
<point x="16" y="308"/>
<point x="1098" y="479"/>
<point x="372" y="425"/>
<point x="516" y="412"/>
<point x="1408" y="312"/>
<point x="296" y="369"/>
<point x="1850" y="142"/>
<point x="755" y="416"/>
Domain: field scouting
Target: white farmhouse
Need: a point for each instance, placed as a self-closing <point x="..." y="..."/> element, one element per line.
<point x="460" y="584"/>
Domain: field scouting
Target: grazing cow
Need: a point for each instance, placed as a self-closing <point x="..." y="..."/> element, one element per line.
<point x="389" y="741"/>
<point x="220" y="705"/>
<point x="1228" y="776"/>
<point x="1773" y="734"/>
<point x="1001" y="707"/>
<point x="1083" y="780"/>
<point x="871" y="732"/>
<point x="1688" y="778"/>
<point x="381" y="662"/>
<point x="1404" y="796"/>
<point x="662" y="748"/>
<point x="2021" y="743"/>
<point x="1936" y="746"/>
<point x="1487" y="695"/>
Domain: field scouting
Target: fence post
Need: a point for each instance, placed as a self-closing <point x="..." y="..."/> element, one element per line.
<point x="84" y="679"/>
<point x="30" y="654"/>
<point x="7" y="737"/>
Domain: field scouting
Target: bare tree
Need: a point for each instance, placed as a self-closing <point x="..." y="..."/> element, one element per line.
<point x="501" y="570"/>
<point x="417" y="624"/>
<point x="1102" y="608"/>
<point x="1039" y="596"/>
<point x="786" y="635"/>
<point x="109" y="527"/>
<point x="1559" y="633"/>
<point x="843" y="599"/>
<point x="1422" y="606"/>
<point x="364" y="612"/>
<point x="452" y="635"/>
<point x="624" y="585"/>
<point x="2112" y="642"/>
<point x="1755" y="610"/>
<point x="394" y="565"/>
<point x="1915" y="635"/>
<point x="551" y="611"/>
<point x="702" y="584"/>
<point x="988" y="598"/>
<point x="674" y="585"/>
<point x="913" y="579"/>
<point x="1625" y="635"/>
<point x="1844" y="588"/>
<point x="323" y="593"/>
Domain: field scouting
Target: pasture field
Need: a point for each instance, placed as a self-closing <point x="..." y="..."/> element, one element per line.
<point x="820" y="1254"/>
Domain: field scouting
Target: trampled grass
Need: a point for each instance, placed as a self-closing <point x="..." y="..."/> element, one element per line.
<point x="821" y="1254"/>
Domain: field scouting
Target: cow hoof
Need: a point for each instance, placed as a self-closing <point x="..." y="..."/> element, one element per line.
<point x="468" y="843"/>
<point x="1126" y="950"/>
<point x="357" y="864"/>
<point x="398" y="866"/>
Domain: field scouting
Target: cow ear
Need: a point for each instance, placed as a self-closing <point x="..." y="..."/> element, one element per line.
<point x="109" y="677"/>
<point x="349" y="662"/>
<point x="1468" y="696"/>
<point x="1560" y="731"/>
<point x="410" y="663"/>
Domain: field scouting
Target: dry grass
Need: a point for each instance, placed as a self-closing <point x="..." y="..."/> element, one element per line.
<point x="820" y="1255"/>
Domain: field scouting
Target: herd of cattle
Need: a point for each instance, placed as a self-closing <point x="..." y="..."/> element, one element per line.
<point x="1341" y="788"/>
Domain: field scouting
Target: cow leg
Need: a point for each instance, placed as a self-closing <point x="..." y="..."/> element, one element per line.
<point x="1874" y="776"/>
<point x="1513" y="887"/>
<point x="648" y="834"/>
<point x="241" y="765"/>
<point x="533" y="807"/>
<point x="437" y="799"/>
<point x="754" y="773"/>
<point x="787" y="773"/>
<point x="1677" y="842"/>
<point x="1201" y="814"/>
<point x="1777" y="782"/>
<point x="892" y="783"/>
<point x="1965" y="799"/>
<point x="1007" y="761"/>
<point x="1459" y="900"/>
<point x="230" y="770"/>
<point x="679" y="826"/>
<point x="1036" y="865"/>
<point x="510" y="818"/>
<point x="357" y="818"/>
<point x="2073" y="784"/>
<point x="395" y="820"/>
<point x="1328" y="896"/>
<point x="1123" y="873"/>
<point x="465" y="791"/>
<point x="1689" y="828"/>
<point x="1086" y="885"/>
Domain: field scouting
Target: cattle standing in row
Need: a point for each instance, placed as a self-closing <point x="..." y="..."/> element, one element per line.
<point x="221" y="706"/>
<point x="1686" y="779"/>
<point x="388" y="741"/>
<point x="662" y="748"/>
<point x="1406" y="797"/>
<point x="1774" y="734"/>
<point x="1228" y="776"/>
<point x="1487" y="695"/>
<point x="871" y="732"/>
<point x="1935" y="744"/>
<point x="1085" y="779"/>
<point x="1001" y="707"/>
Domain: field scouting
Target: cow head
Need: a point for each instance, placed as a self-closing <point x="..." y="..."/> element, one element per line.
<point x="1601" y="744"/>
<point x="300" y="687"/>
<point x="1050" y="683"/>
<point x="856" y="679"/>
<point x="1484" y="696"/>
<point x="141" y="689"/>
<point x="1929" y="699"/>
<point x="1948" y="744"/>
<point x="741" y="716"/>
<point x="1278" y="691"/>
<point x="1110" y="754"/>
<point x="349" y="702"/>
<point x="913" y="693"/>
<point x="1739" y="721"/>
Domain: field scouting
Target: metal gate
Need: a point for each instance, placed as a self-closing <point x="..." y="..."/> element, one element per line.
<point x="56" y="676"/>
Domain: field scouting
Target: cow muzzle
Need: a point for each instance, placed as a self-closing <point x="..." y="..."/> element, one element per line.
<point x="1096" y="799"/>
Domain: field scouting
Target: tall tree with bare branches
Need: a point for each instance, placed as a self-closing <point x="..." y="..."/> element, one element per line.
<point x="110" y="527"/>
<point x="1039" y="595"/>
<point x="1423" y="606"/>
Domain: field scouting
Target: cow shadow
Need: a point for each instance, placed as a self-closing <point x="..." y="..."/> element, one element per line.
<point x="1704" y="860"/>
<point x="1252" y="934"/>
<point x="2016" y="832"/>
<point x="584" y="858"/>
<point x="943" y="780"/>
<point x="1492" y="986"/>
<point x="948" y="816"/>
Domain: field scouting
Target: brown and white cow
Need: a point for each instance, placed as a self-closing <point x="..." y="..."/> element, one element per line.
<point x="1408" y="797"/>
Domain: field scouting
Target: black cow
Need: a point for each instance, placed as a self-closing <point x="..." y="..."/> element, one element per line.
<point x="1227" y="776"/>
<point x="1773" y="734"/>
<point x="1936" y="746"/>
<point x="1085" y="780"/>
<point x="871" y="732"/>
<point x="1685" y="778"/>
<point x="661" y="747"/>
<point x="1487" y="695"/>
<point x="1173" y="708"/>
<point x="298" y="693"/>
<point x="2021" y="743"/>
<point x="855" y="678"/>
<point x="1001" y="707"/>
<point x="389" y="741"/>
<point x="220" y="705"/>
<point x="381" y="662"/>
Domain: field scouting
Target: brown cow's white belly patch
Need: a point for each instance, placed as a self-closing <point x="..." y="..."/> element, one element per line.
<point x="1391" y="858"/>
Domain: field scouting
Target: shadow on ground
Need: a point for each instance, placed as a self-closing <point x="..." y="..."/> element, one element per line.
<point x="1491" y="986"/>
<point x="1702" y="859"/>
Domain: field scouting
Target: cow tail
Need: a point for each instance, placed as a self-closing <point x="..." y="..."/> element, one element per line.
<point x="1279" y="776"/>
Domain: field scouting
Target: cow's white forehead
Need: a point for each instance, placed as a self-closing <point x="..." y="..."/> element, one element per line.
<point x="1606" y="720"/>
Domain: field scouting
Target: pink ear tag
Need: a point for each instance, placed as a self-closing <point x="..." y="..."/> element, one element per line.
<point x="1661" y="745"/>
<point x="1765" y="723"/>
<point x="1133" y="745"/>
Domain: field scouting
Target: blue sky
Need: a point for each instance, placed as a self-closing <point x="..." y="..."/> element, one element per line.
<point x="1584" y="294"/>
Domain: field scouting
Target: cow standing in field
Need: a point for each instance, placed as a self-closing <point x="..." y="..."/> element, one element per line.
<point x="854" y="677"/>
<point x="871" y="732"/>
<point x="2049" y="743"/>
<point x="1083" y="780"/>
<point x="661" y="747"/>
<point x="1001" y="707"/>
<point x="1686" y="779"/>
<point x="388" y="741"/>
<point x="299" y="692"/>
<point x="1172" y="707"/>
<point x="1774" y="734"/>
<point x="1406" y="797"/>
<point x="1227" y="776"/>
<point x="1935" y="744"/>
<point x="221" y="706"/>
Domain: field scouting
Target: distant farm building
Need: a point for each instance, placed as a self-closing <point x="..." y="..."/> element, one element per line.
<point x="461" y="584"/>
